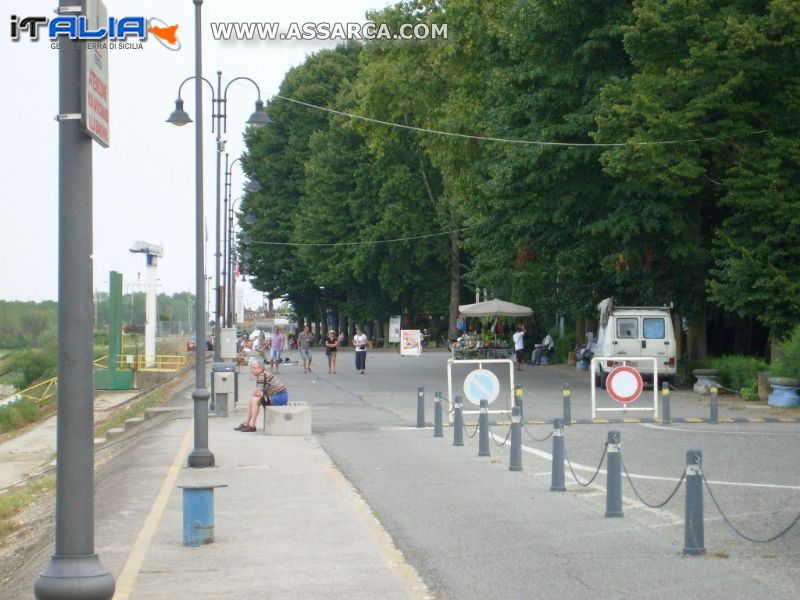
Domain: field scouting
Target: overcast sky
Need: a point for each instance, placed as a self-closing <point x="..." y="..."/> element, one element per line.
<point x="144" y="183"/>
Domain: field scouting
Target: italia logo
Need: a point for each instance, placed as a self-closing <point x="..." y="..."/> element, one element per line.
<point x="78" y="27"/>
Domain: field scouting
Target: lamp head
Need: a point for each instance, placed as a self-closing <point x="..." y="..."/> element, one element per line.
<point x="259" y="117"/>
<point x="250" y="219"/>
<point x="253" y="186"/>
<point x="179" y="116"/>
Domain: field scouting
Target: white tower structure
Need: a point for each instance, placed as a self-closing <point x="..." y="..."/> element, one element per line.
<point x="152" y="252"/>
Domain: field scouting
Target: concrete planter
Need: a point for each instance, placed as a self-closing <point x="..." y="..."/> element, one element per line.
<point x="785" y="391"/>
<point x="706" y="379"/>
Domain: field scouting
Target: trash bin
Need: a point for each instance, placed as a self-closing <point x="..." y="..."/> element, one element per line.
<point x="224" y="382"/>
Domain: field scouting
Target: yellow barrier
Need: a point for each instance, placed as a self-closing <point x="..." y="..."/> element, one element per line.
<point x="160" y="362"/>
<point x="40" y="392"/>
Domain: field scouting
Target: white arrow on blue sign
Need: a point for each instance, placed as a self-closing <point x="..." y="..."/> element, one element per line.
<point x="481" y="384"/>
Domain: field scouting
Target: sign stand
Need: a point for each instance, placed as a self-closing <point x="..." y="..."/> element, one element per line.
<point x="475" y="384"/>
<point x="627" y="384"/>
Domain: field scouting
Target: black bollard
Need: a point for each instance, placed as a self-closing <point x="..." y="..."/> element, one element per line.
<point x="420" y="407"/>
<point x="567" y="395"/>
<point x="557" y="473"/>
<point x="714" y="406"/>
<point x="518" y="400"/>
<point x="613" y="477"/>
<point x="458" y="423"/>
<point x="515" y="463"/>
<point x="693" y="536"/>
<point x="665" y="416"/>
<point x="437" y="415"/>
<point x="483" y="426"/>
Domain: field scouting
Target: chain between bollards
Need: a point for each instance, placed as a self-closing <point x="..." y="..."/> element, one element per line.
<point x="613" y="476"/>
<point x="483" y="426"/>
<point x="420" y="407"/>
<point x="437" y="415"/>
<point x="557" y="472"/>
<point x="714" y="417"/>
<point x="458" y="423"/>
<point x="665" y="416"/>
<point x="693" y="538"/>
<point x="567" y="395"/>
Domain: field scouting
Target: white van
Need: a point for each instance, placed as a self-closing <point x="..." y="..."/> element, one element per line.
<point x="633" y="331"/>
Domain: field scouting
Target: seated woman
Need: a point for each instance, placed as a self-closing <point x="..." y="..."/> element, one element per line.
<point x="269" y="391"/>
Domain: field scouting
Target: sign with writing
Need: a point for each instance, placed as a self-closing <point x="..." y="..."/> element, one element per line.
<point x="394" y="329"/>
<point x="94" y="77"/>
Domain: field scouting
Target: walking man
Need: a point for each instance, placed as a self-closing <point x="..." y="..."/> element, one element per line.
<point x="306" y="340"/>
<point x="276" y="344"/>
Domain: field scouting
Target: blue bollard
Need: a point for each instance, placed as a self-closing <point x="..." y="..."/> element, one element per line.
<point x="714" y="417"/>
<point x="420" y="407"/>
<point x="198" y="514"/>
<point x="515" y="462"/>
<point x="666" y="418"/>
<point x="566" y="395"/>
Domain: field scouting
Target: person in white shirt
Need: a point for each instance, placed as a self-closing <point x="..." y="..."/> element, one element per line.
<point x="360" y="344"/>
<point x="547" y="345"/>
<point x="519" y="345"/>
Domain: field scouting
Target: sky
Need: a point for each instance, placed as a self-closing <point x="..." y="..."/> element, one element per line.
<point x="144" y="182"/>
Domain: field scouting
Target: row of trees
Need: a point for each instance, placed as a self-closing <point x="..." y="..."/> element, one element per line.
<point x="672" y="175"/>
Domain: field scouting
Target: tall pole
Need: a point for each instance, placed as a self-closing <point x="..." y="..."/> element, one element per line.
<point x="200" y="456"/>
<point x="218" y="116"/>
<point x="74" y="570"/>
<point x="225" y="269"/>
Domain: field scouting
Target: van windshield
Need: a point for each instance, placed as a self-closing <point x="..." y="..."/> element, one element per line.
<point x="654" y="329"/>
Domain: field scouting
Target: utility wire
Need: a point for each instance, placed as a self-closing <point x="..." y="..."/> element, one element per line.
<point x="509" y="140"/>
<point x="361" y="243"/>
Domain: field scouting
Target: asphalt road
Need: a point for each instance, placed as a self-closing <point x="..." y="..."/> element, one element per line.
<point x="474" y="529"/>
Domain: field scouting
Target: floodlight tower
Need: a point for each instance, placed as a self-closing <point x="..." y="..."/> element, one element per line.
<point x="152" y="252"/>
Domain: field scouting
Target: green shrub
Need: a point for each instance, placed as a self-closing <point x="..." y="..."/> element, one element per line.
<point x="35" y="365"/>
<point x="18" y="414"/>
<point x="736" y="372"/>
<point x="565" y="344"/>
<point x="790" y="365"/>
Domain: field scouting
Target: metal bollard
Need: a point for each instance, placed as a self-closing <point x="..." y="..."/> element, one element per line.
<point x="515" y="463"/>
<point x="665" y="416"/>
<point x="198" y="514"/>
<point x="483" y="427"/>
<point x="437" y="415"/>
<point x="693" y="536"/>
<point x="567" y="394"/>
<point x="714" y="407"/>
<point x="518" y="400"/>
<point x="420" y="407"/>
<point x="613" y="477"/>
<point x="458" y="422"/>
<point x="557" y="473"/>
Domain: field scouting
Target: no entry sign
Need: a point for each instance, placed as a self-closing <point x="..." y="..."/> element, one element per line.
<point x="624" y="384"/>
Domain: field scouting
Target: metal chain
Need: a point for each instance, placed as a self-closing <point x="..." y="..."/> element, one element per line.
<point x="739" y="533"/>
<point x="636" y="492"/>
<point x="534" y="438"/>
<point x="491" y="435"/>
<point x="474" y="431"/>
<point x="575" y="477"/>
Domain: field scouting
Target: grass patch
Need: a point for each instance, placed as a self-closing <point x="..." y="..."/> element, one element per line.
<point x="136" y="408"/>
<point x="17" y="499"/>
<point x="18" y="414"/>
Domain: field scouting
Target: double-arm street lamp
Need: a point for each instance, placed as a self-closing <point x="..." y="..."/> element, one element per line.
<point x="219" y="124"/>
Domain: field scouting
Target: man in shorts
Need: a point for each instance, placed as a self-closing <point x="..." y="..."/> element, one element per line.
<point x="276" y="344"/>
<point x="519" y="346"/>
<point x="306" y="339"/>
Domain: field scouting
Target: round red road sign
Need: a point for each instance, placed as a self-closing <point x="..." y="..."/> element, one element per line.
<point x="624" y="384"/>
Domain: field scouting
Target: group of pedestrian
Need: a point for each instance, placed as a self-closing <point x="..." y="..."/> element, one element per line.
<point x="270" y="390"/>
<point x="547" y="347"/>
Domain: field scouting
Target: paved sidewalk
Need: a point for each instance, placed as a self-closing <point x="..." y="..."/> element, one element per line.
<point x="287" y="525"/>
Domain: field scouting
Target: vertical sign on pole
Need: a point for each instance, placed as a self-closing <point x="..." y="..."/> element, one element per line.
<point x="94" y="77"/>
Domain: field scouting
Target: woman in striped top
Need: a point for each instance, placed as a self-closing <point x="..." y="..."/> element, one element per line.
<point x="269" y="390"/>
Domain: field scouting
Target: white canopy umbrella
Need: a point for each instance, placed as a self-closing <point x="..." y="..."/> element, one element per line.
<point x="495" y="308"/>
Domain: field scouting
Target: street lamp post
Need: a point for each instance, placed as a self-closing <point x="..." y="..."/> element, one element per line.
<point x="200" y="455"/>
<point x="228" y="258"/>
<point x="219" y="123"/>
